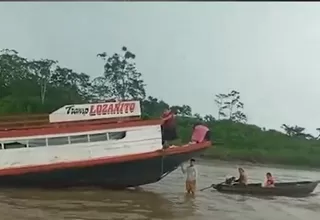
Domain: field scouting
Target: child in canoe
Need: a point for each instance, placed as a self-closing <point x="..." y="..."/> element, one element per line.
<point x="269" y="180"/>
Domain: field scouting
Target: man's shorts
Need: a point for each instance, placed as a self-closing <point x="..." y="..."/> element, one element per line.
<point x="191" y="186"/>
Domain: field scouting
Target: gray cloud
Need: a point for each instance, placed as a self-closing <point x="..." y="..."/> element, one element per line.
<point x="188" y="52"/>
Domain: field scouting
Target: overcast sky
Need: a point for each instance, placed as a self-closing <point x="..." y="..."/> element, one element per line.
<point x="188" y="52"/>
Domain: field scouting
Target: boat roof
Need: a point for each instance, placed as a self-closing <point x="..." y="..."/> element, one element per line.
<point x="75" y="118"/>
<point x="70" y="128"/>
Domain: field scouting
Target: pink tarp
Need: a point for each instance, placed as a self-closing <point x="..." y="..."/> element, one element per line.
<point x="199" y="133"/>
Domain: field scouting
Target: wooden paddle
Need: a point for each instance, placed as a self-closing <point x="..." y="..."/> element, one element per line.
<point x="212" y="185"/>
<point x="208" y="187"/>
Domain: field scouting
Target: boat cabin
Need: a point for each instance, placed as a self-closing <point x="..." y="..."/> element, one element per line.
<point x="78" y="132"/>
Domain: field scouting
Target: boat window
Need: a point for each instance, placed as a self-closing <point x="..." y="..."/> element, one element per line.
<point x="78" y="139"/>
<point x="15" y="144"/>
<point x="98" y="137"/>
<point x="117" y="135"/>
<point x="57" y="141"/>
<point x="40" y="142"/>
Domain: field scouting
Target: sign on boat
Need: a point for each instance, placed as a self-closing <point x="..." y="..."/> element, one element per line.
<point x="96" y="111"/>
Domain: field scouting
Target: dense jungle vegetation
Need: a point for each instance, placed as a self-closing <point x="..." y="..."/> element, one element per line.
<point x="42" y="86"/>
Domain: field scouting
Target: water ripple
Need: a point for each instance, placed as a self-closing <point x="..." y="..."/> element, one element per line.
<point x="165" y="200"/>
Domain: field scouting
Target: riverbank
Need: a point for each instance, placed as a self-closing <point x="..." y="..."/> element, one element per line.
<point x="289" y="160"/>
<point x="250" y="143"/>
<point x="242" y="163"/>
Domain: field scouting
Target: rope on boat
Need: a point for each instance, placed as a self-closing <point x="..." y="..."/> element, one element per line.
<point x="162" y="159"/>
<point x="162" y="166"/>
<point x="161" y="171"/>
<point x="162" y="175"/>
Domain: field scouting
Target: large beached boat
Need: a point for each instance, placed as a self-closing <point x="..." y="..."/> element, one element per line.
<point x="101" y="144"/>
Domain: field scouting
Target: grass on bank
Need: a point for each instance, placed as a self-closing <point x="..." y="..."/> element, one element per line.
<point x="237" y="141"/>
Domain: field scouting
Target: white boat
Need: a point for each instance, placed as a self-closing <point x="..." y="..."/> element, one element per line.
<point x="100" y="144"/>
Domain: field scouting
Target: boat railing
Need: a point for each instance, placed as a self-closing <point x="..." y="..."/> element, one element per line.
<point x="18" y="121"/>
<point x="23" y="117"/>
<point x="42" y="121"/>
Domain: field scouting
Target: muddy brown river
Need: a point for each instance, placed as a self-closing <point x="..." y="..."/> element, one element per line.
<point x="166" y="200"/>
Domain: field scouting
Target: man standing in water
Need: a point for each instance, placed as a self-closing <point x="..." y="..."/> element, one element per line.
<point x="192" y="175"/>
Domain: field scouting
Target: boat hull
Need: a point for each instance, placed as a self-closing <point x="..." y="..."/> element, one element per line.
<point x="281" y="189"/>
<point x="113" y="174"/>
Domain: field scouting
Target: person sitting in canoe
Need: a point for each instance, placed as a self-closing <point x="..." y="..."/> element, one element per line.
<point x="270" y="180"/>
<point x="243" y="179"/>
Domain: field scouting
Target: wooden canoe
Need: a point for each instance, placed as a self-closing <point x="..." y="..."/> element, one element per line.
<point x="302" y="188"/>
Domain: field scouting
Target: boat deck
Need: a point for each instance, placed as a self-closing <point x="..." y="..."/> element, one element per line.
<point x="23" y="122"/>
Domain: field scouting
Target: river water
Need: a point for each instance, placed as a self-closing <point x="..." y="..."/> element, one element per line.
<point x="165" y="200"/>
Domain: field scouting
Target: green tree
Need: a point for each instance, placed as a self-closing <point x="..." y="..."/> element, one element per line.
<point x="184" y="110"/>
<point x="209" y="119"/>
<point x="220" y="98"/>
<point x="122" y="77"/>
<point x="13" y="70"/>
<point x="152" y="107"/>
<point x="296" y="131"/>
<point x="42" y="71"/>
<point x="230" y="106"/>
<point x="198" y="117"/>
<point x="318" y="130"/>
<point x="28" y="86"/>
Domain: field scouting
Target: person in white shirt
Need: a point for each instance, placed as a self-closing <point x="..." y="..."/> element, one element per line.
<point x="191" y="179"/>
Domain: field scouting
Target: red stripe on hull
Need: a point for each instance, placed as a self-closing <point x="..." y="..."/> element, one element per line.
<point x="105" y="160"/>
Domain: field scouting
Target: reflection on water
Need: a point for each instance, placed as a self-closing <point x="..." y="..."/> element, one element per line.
<point x="164" y="200"/>
<point x="85" y="204"/>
